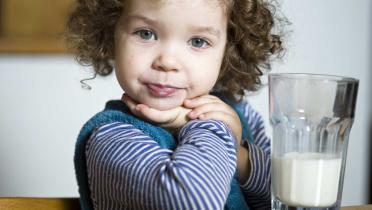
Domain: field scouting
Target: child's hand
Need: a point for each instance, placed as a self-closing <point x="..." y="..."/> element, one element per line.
<point x="171" y="119"/>
<point x="211" y="107"/>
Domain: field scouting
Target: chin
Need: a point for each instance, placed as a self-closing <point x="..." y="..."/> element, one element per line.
<point x="164" y="104"/>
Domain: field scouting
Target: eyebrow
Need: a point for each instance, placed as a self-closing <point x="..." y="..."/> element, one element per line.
<point x="142" y="18"/>
<point x="194" y="29"/>
<point x="206" y="29"/>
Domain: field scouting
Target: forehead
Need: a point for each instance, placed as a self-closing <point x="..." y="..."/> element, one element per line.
<point x="159" y="2"/>
<point x="224" y="4"/>
<point x="197" y="11"/>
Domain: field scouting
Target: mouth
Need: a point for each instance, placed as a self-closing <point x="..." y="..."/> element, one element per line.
<point x="160" y="90"/>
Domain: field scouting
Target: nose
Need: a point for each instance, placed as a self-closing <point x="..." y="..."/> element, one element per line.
<point x="166" y="60"/>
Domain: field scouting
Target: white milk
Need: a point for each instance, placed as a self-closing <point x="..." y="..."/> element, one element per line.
<point x="306" y="179"/>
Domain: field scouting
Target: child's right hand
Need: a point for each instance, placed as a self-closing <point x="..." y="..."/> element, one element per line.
<point x="169" y="119"/>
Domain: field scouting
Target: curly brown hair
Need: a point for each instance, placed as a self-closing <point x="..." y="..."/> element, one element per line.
<point x="250" y="41"/>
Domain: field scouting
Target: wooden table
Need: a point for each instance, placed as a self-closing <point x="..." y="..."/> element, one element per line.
<point x="365" y="207"/>
<point x="73" y="204"/>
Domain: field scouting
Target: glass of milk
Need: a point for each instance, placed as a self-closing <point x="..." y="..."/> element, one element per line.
<point x="311" y="117"/>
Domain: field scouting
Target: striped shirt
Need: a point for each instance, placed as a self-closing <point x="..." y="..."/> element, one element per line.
<point x="127" y="169"/>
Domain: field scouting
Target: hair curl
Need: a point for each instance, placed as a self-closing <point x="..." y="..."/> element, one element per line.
<point x="250" y="41"/>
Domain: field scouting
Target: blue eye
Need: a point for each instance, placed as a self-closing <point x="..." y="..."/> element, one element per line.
<point x="199" y="42"/>
<point x="146" y="34"/>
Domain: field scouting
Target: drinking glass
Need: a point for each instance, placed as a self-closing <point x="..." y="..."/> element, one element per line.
<point x="311" y="116"/>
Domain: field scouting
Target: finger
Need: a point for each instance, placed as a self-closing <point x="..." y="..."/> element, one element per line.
<point x="140" y="110"/>
<point x="210" y="107"/>
<point x="220" y="116"/>
<point x="195" y="102"/>
<point x="153" y="115"/>
<point x="201" y="99"/>
<point x="165" y="117"/>
<point x="129" y="102"/>
<point x="233" y="123"/>
<point x="209" y="96"/>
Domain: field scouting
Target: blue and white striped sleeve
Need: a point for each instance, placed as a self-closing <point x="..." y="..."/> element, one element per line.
<point x="257" y="187"/>
<point x="128" y="170"/>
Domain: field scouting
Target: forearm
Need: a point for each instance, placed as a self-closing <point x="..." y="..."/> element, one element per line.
<point x="136" y="171"/>
<point x="257" y="186"/>
<point x="243" y="164"/>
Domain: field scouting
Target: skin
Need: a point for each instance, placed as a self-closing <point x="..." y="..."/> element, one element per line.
<point x="160" y="58"/>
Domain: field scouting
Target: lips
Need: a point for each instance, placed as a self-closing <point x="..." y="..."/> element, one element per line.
<point x="159" y="90"/>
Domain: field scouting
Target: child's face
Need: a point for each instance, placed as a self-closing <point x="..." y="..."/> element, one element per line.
<point x="169" y="51"/>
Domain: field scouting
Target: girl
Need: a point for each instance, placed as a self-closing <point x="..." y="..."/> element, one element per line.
<point x="182" y="130"/>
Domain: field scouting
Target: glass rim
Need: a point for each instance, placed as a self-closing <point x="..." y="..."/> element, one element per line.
<point x="326" y="77"/>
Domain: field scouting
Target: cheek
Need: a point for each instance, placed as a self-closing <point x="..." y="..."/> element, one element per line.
<point x="212" y="70"/>
<point x="131" y="59"/>
<point x="205" y="78"/>
<point x="122" y="71"/>
<point x="212" y="79"/>
<point x="124" y="64"/>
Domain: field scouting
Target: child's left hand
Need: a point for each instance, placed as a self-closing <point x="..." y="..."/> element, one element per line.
<point x="170" y="119"/>
<point x="211" y="107"/>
